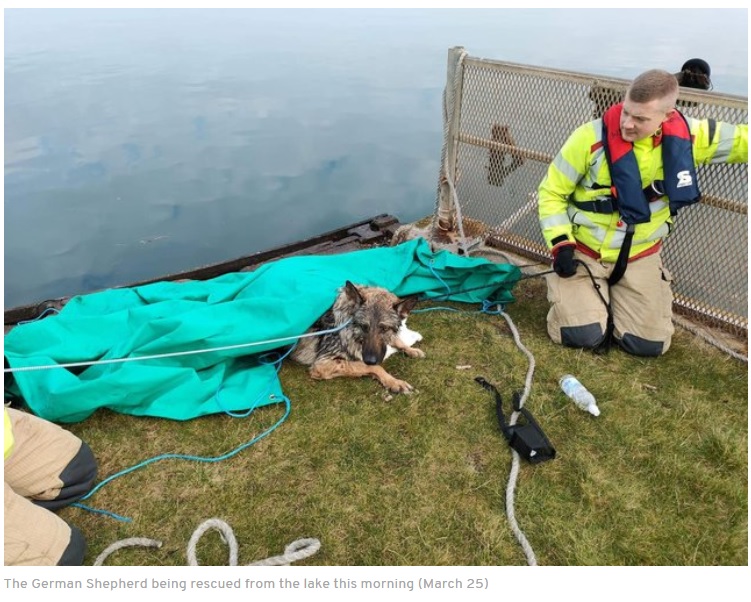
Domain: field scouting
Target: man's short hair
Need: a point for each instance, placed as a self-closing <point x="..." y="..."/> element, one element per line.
<point x="654" y="84"/>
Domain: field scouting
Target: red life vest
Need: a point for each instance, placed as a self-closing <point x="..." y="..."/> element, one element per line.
<point x="679" y="173"/>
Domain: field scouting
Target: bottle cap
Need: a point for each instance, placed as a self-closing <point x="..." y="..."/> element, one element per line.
<point x="594" y="410"/>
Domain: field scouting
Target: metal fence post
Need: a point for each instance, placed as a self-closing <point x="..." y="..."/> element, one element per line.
<point x="452" y="95"/>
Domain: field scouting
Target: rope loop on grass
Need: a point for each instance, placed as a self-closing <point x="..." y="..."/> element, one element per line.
<point x="228" y="536"/>
<point x="297" y="550"/>
<point x="126" y="543"/>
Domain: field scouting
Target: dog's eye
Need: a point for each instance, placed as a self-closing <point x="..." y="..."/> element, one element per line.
<point x="364" y="327"/>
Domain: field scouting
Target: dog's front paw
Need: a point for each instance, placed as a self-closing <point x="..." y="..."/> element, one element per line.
<point x="399" y="386"/>
<point x="414" y="353"/>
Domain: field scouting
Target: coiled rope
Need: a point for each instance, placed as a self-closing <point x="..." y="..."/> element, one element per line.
<point x="297" y="550"/>
<point x="301" y="548"/>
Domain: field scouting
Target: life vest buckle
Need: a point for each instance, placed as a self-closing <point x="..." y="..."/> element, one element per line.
<point x="655" y="190"/>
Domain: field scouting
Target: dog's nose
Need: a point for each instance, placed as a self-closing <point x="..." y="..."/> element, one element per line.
<point x="371" y="359"/>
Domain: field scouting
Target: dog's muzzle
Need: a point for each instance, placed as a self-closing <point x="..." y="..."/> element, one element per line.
<point x="371" y="359"/>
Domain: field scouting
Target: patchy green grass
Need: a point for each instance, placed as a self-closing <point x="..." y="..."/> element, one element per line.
<point x="660" y="478"/>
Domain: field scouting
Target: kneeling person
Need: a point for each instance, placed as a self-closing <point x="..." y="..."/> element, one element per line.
<point x="606" y="204"/>
<point x="46" y="468"/>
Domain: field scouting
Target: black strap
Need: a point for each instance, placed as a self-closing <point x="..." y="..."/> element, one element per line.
<point x="601" y="205"/>
<point x="527" y="439"/>
<point x="622" y="262"/>
<point x="604" y="345"/>
<point x="608" y="204"/>
<point x="712" y="127"/>
<point x="498" y="405"/>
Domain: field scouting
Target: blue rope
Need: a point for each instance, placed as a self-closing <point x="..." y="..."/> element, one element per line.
<point x="486" y="304"/>
<point x="437" y="308"/>
<point x="264" y="359"/>
<point x="234" y="452"/>
<point x="40" y="316"/>
<point x="486" y="309"/>
<point x="432" y="271"/>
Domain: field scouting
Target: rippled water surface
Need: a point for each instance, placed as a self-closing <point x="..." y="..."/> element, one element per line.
<point x="143" y="142"/>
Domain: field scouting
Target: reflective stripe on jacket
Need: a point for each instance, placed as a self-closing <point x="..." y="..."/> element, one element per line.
<point x="580" y="172"/>
<point x="7" y="436"/>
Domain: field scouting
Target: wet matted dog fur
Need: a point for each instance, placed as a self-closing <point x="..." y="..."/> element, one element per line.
<point x="375" y="316"/>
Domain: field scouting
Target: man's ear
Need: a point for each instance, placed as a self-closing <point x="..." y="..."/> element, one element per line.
<point x="668" y="115"/>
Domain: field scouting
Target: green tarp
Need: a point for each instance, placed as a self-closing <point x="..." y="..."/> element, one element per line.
<point x="280" y="299"/>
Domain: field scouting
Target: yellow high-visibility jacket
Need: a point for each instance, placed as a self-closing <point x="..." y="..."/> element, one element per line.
<point x="580" y="172"/>
<point x="7" y="435"/>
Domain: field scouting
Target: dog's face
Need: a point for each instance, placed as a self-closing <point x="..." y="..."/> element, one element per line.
<point x="357" y="331"/>
<point x="376" y="316"/>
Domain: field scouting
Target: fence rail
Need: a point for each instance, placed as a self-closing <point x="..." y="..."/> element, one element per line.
<point x="505" y="122"/>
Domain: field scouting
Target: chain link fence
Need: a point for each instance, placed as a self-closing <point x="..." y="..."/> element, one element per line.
<point x="505" y="122"/>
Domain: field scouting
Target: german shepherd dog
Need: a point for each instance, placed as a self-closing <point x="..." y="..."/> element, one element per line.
<point x="375" y="316"/>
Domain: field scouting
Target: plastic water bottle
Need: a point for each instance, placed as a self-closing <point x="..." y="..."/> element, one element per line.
<point x="579" y="394"/>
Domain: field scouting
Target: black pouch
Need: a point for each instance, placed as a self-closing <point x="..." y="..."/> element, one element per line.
<point x="527" y="438"/>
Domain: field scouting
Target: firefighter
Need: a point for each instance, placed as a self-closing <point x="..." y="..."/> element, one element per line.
<point x="606" y="205"/>
<point x="46" y="468"/>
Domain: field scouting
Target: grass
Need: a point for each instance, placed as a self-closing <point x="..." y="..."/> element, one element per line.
<point x="660" y="478"/>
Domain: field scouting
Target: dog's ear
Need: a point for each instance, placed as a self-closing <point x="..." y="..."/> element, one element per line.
<point x="406" y="305"/>
<point x="352" y="293"/>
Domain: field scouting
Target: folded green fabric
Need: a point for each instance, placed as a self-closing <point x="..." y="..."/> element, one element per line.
<point x="280" y="299"/>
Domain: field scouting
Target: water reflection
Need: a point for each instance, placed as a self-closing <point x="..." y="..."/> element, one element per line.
<point x="141" y="142"/>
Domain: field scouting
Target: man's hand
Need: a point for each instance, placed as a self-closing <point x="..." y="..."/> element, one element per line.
<point x="564" y="263"/>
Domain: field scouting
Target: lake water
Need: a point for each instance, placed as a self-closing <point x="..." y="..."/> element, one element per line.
<point x="142" y="142"/>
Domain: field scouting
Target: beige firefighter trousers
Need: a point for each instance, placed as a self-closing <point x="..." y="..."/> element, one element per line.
<point x="641" y="303"/>
<point x="48" y="468"/>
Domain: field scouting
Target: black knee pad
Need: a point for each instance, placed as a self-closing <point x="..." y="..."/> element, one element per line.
<point x="638" y="346"/>
<point x="588" y="336"/>
<point x="78" y="478"/>
<point x="76" y="550"/>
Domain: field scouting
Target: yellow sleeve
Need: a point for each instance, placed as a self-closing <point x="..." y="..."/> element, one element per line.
<point x="564" y="173"/>
<point x="728" y="143"/>
<point x="7" y="436"/>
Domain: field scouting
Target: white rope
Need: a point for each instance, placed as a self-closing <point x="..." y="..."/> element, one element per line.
<point x="297" y="550"/>
<point x="459" y="220"/>
<point x="678" y="320"/>
<point x="708" y="338"/>
<point x="126" y="543"/>
<point x="511" y="486"/>
<point x="444" y="158"/>
<point x="449" y="179"/>
<point x="175" y="353"/>
<point x="228" y="536"/>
